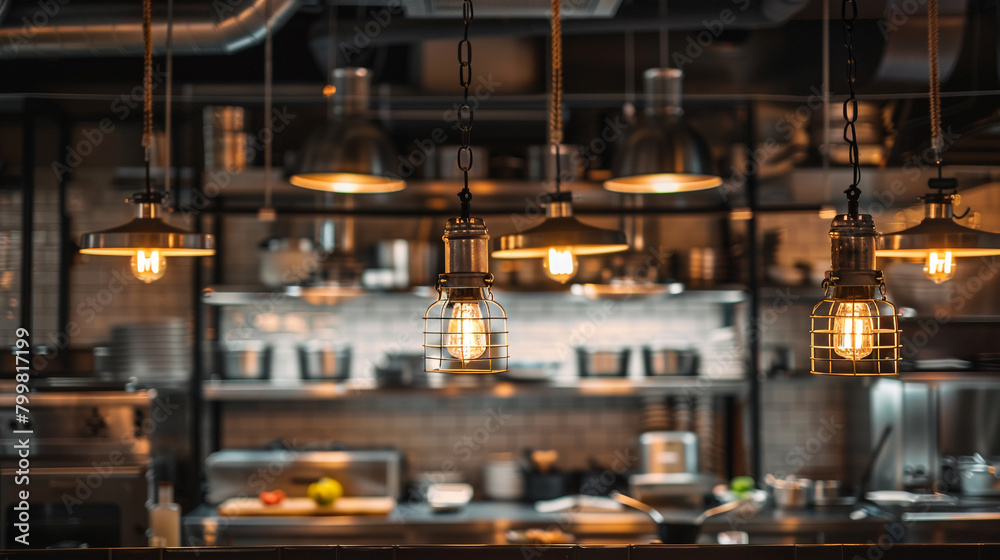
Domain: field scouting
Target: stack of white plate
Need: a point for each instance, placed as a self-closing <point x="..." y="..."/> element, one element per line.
<point x="502" y="477"/>
<point x="151" y="351"/>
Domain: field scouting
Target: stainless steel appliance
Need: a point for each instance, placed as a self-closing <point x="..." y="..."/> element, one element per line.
<point x="89" y="458"/>
<point x="669" y="452"/>
<point x="936" y="418"/>
<point x="231" y="473"/>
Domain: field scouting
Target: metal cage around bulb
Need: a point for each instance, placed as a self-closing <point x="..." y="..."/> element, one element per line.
<point x="465" y="331"/>
<point x="870" y="343"/>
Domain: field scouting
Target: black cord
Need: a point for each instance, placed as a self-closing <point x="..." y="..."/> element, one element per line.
<point x="849" y="13"/>
<point x="465" y="113"/>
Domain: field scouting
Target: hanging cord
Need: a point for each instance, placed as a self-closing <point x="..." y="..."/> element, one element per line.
<point x="465" y="113"/>
<point x="555" y="97"/>
<point x="168" y="109"/>
<point x="268" y="86"/>
<point x="849" y="13"/>
<point x="147" y="86"/>
<point x="935" y="82"/>
<point x="664" y="36"/>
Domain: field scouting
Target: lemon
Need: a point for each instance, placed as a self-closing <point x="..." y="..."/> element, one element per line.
<point x="325" y="491"/>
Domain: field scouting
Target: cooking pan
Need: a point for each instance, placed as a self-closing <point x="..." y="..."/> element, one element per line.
<point x="675" y="532"/>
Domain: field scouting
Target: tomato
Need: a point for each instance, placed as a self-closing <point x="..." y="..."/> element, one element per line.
<point x="273" y="497"/>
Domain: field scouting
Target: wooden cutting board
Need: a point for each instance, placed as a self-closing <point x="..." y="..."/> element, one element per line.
<point x="243" y="507"/>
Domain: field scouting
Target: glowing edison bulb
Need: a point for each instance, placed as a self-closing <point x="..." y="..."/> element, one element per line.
<point x="148" y="265"/>
<point x="466" y="338"/>
<point x="852" y="330"/>
<point x="560" y="264"/>
<point x="939" y="266"/>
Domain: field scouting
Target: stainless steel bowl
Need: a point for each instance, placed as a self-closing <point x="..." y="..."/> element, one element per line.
<point x="603" y="362"/>
<point x="790" y="493"/>
<point x="670" y="361"/>
<point x="323" y="360"/>
<point x="244" y="360"/>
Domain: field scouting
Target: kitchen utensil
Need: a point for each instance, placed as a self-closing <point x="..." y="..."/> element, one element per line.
<point x="669" y="361"/>
<point x="448" y="496"/>
<point x="863" y="505"/>
<point x="826" y="493"/>
<point x="324" y="360"/>
<point x="675" y="532"/>
<point x="503" y="478"/>
<point x="668" y="452"/>
<point x="978" y="476"/>
<point x="790" y="493"/>
<point x="543" y="459"/>
<point x="246" y="360"/>
<point x="152" y="351"/>
<point x="603" y="362"/>
<point x="539" y="486"/>
<point x="286" y="260"/>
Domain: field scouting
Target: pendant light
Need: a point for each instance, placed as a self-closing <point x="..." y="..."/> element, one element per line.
<point x="465" y="331"/>
<point x="854" y="330"/>
<point x="560" y="238"/>
<point x="147" y="239"/>
<point x="663" y="155"/>
<point x="938" y="240"/>
<point x="351" y="154"/>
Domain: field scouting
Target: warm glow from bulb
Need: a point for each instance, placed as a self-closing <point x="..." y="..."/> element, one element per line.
<point x="329" y="90"/>
<point x="560" y="264"/>
<point x="939" y="266"/>
<point x="148" y="265"/>
<point x="466" y="338"/>
<point x="852" y="330"/>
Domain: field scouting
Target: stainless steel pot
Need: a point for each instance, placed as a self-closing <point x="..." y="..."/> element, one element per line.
<point x="790" y="493"/>
<point x="979" y="477"/>
<point x="603" y="362"/>
<point x="398" y="264"/>
<point x="245" y="360"/>
<point x="324" y="360"/>
<point x="669" y="361"/>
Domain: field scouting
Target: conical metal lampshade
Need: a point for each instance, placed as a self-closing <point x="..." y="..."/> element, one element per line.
<point x="560" y="229"/>
<point x="350" y="154"/>
<point x="147" y="231"/>
<point x="664" y="155"/>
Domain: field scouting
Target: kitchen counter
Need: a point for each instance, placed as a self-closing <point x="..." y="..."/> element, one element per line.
<point x="487" y="523"/>
<point x="971" y="551"/>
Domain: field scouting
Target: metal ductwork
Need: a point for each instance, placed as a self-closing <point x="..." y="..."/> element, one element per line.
<point x="114" y="29"/>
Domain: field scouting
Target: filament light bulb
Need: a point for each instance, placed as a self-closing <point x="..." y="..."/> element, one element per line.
<point x="853" y="330"/>
<point x="560" y="264"/>
<point x="466" y="338"/>
<point x="149" y="265"/>
<point x="939" y="266"/>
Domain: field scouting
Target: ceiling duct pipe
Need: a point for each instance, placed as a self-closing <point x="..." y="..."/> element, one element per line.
<point x="221" y="27"/>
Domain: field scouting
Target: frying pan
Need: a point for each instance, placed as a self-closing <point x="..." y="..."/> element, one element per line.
<point x="675" y="532"/>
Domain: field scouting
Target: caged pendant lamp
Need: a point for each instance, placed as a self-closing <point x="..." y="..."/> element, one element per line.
<point x="147" y="238"/>
<point x="560" y="238"/>
<point x="938" y="240"/>
<point x="465" y="331"/>
<point x="854" y="330"/>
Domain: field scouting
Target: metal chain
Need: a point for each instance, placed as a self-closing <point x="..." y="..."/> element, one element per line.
<point x="147" y="85"/>
<point x="849" y="13"/>
<point x="935" y="79"/>
<point x="465" y="113"/>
